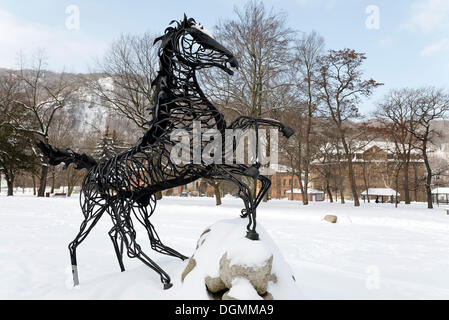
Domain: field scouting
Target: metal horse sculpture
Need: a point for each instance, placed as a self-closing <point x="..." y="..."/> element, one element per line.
<point x="126" y="184"/>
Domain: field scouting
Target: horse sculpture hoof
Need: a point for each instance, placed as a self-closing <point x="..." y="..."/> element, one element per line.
<point x="76" y="280"/>
<point x="252" y="235"/>
<point x="167" y="286"/>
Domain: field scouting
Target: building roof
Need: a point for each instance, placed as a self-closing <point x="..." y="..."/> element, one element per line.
<point x="309" y="191"/>
<point x="360" y="147"/>
<point x="380" y="192"/>
<point x="279" y="168"/>
<point x="439" y="190"/>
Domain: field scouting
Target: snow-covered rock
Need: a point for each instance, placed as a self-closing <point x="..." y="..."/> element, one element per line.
<point x="257" y="274"/>
<point x="234" y="267"/>
<point x="330" y="218"/>
<point x="241" y="289"/>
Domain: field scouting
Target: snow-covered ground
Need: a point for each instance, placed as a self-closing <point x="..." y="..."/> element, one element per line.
<point x="373" y="252"/>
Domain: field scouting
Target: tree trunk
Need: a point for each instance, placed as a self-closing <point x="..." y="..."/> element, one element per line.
<point x="34" y="185"/>
<point x="53" y="178"/>
<point x="340" y="178"/>
<point x="353" y="184"/>
<point x="351" y="173"/>
<point x="329" y="191"/>
<point x="70" y="190"/>
<point x="415" y="171"/>
<point x="302" y="187"/>
<point x="336" y="188"/>
<point x="268" y="148"/>
<point x="43" y="181"/>
<point x="305" y="185"/>
<point x="429" y="177"/>
<point x="217" y="193"/>
<point x="428" y="184"/>
<point x="365" y="180"/>
<point x="341" y="187"/>
<point x="406" y="183"/>
<point x="305" y="201"/>
<point x="291" y="189"/>
<point x="304" y="190"/>
<point x="397" y="187"/>
<point x="10" y="183"/>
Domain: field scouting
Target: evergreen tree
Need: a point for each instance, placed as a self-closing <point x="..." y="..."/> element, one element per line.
<point x="107" y="147"/>
<point x="15" y="155"/>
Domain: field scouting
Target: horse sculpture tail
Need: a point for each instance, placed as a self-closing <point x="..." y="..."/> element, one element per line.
<point x="57" y="156"/>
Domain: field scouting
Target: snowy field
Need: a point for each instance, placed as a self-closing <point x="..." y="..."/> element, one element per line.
<point x="374" y="252"/>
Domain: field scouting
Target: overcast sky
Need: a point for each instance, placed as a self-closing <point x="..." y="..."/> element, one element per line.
<point x="408" y="47"/>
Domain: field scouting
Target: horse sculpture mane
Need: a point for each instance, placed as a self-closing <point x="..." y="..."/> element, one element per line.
<point x="125" y="185"/>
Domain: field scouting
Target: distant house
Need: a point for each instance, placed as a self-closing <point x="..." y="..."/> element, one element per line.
<point x="440" y="195"/>
<point x="380" y="194"/>
<point x="283" y="181"/>
<point x="313" y="195"/>
<point x="375" y="165"/>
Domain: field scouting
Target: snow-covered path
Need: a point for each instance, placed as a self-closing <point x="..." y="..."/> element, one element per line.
<point x="374" y="252"/>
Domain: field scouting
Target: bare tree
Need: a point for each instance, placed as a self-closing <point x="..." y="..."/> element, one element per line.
<point x="395" y="114"/>
<point x="429" y="104"/>
<point x="308" y="51"/>
<point x="262" y="44"/>
<point x="292" y="149"/>
<point x="128" y="69"/>
<point x="217" y="190"/>
<point x="341" y="88"/>
<point x="324" y="163"/>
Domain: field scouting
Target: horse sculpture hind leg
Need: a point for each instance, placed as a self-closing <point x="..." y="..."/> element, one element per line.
<point x="234" y="174"/>
<point x="265" y="185"/>
<point x="121" y="210"/>
<point x="143" y="217"/>
<point x="114" y="234"/>
<point x="251" y="214"/>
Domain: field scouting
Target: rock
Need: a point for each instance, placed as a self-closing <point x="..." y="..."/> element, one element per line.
<point x="258" y="276"/>
<point x="330" y="218"/>
<point x="190" y="266"/>
<point x="242" y="289"/>
<point x="226" y="296"/>
<point x="227" y="265"/>
<point x="267" y="296"/>
<point x="215" y="285"/>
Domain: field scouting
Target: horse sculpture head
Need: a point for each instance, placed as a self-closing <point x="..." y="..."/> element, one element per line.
<point x="192" y="47"/>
